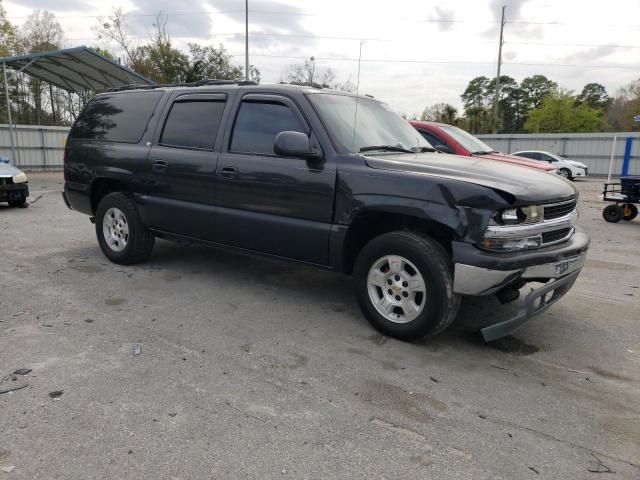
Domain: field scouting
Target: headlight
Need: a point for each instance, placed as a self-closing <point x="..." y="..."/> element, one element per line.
<point x="519" y="215"/>
<point x="511" y="244"/>
<point x="20" y="178"/>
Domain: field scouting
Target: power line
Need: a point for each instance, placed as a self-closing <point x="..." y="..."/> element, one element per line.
<point x="443" y="62"/>
<point x="308" y="14"/>
<point x="332" y="37"/>
<point x="573" y="44"/>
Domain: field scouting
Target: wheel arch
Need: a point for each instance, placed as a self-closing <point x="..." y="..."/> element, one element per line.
<point x="370" y="223"/>
<point x="103" y="186"/>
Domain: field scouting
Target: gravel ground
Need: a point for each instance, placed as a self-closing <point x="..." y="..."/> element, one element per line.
<point x="250" y="368"/>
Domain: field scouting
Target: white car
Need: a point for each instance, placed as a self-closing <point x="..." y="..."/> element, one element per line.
<point x="567" y="168"/>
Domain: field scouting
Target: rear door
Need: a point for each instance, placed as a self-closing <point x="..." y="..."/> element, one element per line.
<point x="273" y="204"/>
<point x="183" y="161"/>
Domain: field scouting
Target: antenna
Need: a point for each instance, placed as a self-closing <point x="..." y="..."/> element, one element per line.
<point x="355" y="115"/>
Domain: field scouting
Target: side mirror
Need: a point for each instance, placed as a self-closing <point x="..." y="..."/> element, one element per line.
<point x="443" y="148"/>
<point x="294" y="144"/>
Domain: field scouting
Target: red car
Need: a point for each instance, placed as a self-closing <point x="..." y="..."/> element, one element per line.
<point x="451" y="139"/>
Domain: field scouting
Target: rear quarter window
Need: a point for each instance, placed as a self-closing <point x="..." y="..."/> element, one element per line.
<point x="116" y="117"/>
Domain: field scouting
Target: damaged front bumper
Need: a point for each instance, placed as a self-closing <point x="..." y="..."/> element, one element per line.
<point x="14" y="192"/>
<point x="482" y="273"/>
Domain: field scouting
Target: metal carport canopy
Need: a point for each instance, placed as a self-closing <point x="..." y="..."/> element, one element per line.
<point x="75" y="69"/>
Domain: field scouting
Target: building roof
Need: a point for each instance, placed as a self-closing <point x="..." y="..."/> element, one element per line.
<point x="75" y="69"/>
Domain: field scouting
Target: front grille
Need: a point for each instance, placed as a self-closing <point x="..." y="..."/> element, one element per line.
<point x="555" y="235"/>
<point x="558" y="210"/>
<point x="6" y="181"/>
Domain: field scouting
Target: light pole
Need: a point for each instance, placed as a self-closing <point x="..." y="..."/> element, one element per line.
<point x="246" y="39"/>
<point x="313" y="69"/>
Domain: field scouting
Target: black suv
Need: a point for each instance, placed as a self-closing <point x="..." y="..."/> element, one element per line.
<point x="326" y="178"/>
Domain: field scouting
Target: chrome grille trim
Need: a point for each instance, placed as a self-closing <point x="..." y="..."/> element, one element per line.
<point x="559" y="209"/>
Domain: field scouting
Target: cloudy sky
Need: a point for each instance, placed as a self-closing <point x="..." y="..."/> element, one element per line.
<point x="414" y="53"/>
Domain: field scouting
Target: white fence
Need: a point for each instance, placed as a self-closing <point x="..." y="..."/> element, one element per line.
<point x="36" y="147"/>
<point x="43" y="147"/>
<point x="593" y="149"/>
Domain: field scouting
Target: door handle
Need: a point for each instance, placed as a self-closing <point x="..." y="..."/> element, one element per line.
<point x="229" y="172"/>
<point x="160" y="166"/>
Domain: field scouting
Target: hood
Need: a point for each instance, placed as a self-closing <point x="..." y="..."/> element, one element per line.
<point x="525" y="184"/>
<point x="503" y="157"/>
<point x="7" y="170"/>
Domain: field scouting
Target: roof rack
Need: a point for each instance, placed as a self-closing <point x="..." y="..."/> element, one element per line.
<point x="198" y="83"/>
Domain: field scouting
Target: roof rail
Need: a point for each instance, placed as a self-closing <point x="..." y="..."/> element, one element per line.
<point x="198" y="83"/>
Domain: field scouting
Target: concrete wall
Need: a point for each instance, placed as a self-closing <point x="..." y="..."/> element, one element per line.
<point x="37" y="147"/>
<point x="593" y="149"/>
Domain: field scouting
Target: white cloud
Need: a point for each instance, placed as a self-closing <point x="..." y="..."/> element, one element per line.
<point x="571" y="32"/>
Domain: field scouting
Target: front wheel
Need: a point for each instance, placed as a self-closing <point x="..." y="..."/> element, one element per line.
<point x="566" y="173"/>
<point x="404" y="285"/>
<point x="121" y="235"/>
<point x="613" y="213"/>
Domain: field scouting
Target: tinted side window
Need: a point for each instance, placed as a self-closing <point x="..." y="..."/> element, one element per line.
<point x="429" y="137"/>
<point x="117" y="117"/>
<point x="192" y="124"/>
<point x="257" y="125"/>
<point x="531" y="155"/>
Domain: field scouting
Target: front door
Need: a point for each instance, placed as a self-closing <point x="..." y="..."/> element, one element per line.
<point x="273" y="204"/>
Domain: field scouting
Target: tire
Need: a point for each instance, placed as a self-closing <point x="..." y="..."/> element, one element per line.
<point x="431" y="312"/>
<point x="121" y="235"/>
<point x="613" y="213"/>
<point x="629" y="212"/>
<point x="566" y="173"/>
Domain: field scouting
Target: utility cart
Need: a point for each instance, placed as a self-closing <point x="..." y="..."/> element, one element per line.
<point x="626" y="194"/>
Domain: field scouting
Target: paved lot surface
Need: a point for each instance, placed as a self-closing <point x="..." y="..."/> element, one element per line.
<point x="249" y="368"/>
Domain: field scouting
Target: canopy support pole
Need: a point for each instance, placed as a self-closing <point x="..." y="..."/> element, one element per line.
<point x="6" y="94"/>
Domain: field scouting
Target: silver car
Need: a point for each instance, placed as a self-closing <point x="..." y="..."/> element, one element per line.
<point x="14" y="186"/>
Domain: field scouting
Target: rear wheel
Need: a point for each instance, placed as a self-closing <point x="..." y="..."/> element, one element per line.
<point x="629" y="211"/>
<point x="404" y="285"/>
<point x="121" y="235"/>
<point x="613" y="213"/>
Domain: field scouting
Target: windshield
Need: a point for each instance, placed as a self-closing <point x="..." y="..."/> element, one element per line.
<point x="468" y="141"/>
<point x="377" y="124"/>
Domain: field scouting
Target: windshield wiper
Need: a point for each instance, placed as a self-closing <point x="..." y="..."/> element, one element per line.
<point x="483" y="152"/>
<point x="423" y="149"/>
<point x="388" y="148"/>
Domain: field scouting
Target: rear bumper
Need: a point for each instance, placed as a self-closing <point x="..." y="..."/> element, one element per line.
<point x="477" y="272"/>
<point x="77" y="197"/>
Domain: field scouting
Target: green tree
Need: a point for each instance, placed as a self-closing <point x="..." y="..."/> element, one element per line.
<point x="508" y="104"/>
<point x="624" y="106"/>
<point x="535" y="88"/>
<point x="7" y="34"/>
<point x="594" y="95"/>
<point x="558" y="113"/>
<point x="474" y="99"/>
<point x="210" y="62"/>
<point x="440" y="112"/>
